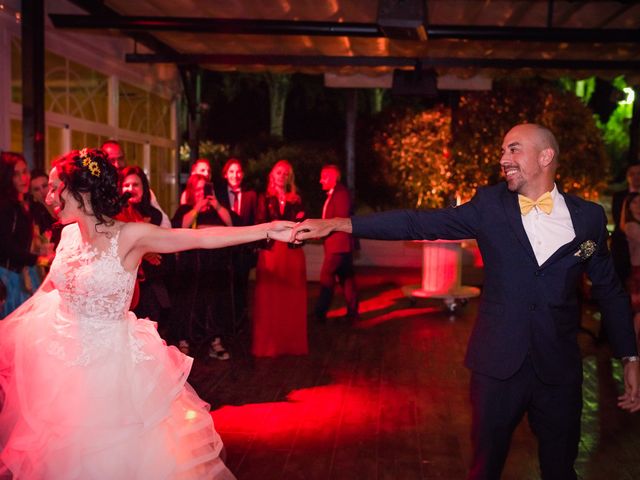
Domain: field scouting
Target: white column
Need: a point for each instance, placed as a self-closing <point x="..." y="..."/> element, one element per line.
<point x="66" y="138"/>
<point x="114" y="102"/>
<point x="146" y="158"/>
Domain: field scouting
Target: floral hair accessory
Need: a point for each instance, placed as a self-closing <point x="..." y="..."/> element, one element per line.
<point x="586" y="250"/>
<point x="92" y="165"/>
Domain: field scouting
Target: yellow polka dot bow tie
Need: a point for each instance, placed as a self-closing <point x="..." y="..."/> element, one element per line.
<point x="544" y="203"/>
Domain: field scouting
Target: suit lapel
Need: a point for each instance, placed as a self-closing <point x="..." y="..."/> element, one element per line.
<point x="512" y="209"/>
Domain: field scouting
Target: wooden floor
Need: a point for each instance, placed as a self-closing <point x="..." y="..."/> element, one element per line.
<point x="387" y="399"/>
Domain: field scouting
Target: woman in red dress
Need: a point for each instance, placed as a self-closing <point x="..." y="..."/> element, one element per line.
<point x="280" y="306"/>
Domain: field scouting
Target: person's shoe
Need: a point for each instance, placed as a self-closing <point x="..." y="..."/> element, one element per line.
<point x="183" y="346"/>
<point x="217" y="351"/>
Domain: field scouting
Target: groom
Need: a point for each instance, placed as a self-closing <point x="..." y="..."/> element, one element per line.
<point x="536" y="242"/>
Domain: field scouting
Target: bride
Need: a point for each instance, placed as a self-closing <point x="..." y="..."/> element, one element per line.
<point x="88" y="390"/>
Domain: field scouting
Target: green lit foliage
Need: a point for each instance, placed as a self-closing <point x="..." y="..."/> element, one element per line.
<point x="207" y="149"/>
<point x="615" y="131"/>
<point x="412" y="147"/>
<point x="216" y="153"/>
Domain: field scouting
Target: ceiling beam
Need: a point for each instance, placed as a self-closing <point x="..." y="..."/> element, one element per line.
<point x="535" y="34"/>
<point x="97" y="9"/>
<point x="380" y="61"/>
<point x="219" y="25"/>
<point x="293" y="27"/>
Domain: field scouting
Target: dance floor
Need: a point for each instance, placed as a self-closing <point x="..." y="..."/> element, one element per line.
<point x="387" y="398"/>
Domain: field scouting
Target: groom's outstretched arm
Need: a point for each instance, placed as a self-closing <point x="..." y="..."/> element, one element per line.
<point x="451" y="224"/>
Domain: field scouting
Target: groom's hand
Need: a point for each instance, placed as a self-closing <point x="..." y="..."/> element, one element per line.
<point x="630" y="400"/>
<point x="316" y="228"/>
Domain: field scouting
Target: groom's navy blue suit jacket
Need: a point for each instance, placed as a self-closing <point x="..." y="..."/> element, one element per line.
<point x="526" y="308"/>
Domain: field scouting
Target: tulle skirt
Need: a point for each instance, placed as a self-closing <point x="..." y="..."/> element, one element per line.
<point x="120" y="409"/>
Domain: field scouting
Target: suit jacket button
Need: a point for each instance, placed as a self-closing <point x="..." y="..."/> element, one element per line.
<point x="539" y="273"/>
<point x="532" y="307"/>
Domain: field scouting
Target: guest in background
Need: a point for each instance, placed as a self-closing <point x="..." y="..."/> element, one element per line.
<point x="153" y="300"/>
<point x="280" y="275"/>
<point x="630" y="225"/>
<point x="47" y="229"/>
<point x="115" y="155"/>
<point x="200" y="167"/>
<point x="42" y="213"/>
<point x="17" y="261"/>
<point x="201" y="287"/>
<point x="338" y="248"/>
<point x="242" y="204"/>
<point x="619" y="246"/>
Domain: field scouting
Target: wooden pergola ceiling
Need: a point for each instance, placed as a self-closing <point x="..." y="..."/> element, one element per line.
<point x="464" y="37"/>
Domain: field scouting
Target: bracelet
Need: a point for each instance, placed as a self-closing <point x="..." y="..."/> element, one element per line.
<point x="631" y="359"/>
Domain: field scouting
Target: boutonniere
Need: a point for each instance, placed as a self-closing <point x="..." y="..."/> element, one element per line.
<point x="587" y="248"/>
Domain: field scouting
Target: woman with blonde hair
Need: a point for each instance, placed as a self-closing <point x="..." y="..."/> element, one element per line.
<point x="281" y="277"/>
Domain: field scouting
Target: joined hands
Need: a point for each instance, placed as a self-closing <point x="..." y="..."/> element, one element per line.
<point x="281" y="230"/>
<point x="316" y="228"/>
<point x="297" y="233"/>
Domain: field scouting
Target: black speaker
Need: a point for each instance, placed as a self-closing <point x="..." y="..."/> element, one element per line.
<point x="419" y="82"/>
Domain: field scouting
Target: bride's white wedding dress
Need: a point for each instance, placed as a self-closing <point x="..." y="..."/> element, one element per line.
<point x="92" y="392"/>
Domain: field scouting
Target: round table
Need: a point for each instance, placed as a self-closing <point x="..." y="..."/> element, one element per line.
<point x="442" y="274"/>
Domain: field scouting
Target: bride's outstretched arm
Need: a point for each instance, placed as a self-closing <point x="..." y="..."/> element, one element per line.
<point x="140" y="238"/>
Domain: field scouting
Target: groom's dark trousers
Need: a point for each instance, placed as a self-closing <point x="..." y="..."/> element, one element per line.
<point x="523" y="350"/>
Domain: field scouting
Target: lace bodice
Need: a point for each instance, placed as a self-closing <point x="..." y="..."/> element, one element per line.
<point x="95" y="293"/>
<point x="93" y="285"/>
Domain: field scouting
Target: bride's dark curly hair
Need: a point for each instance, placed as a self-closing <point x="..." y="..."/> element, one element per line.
<point x="88" y="171"/>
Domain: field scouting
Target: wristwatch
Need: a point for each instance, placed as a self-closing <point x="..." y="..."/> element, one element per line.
<point x="633" y="358"/>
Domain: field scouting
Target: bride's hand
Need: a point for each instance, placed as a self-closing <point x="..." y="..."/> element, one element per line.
<point x="280" y="230"/>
